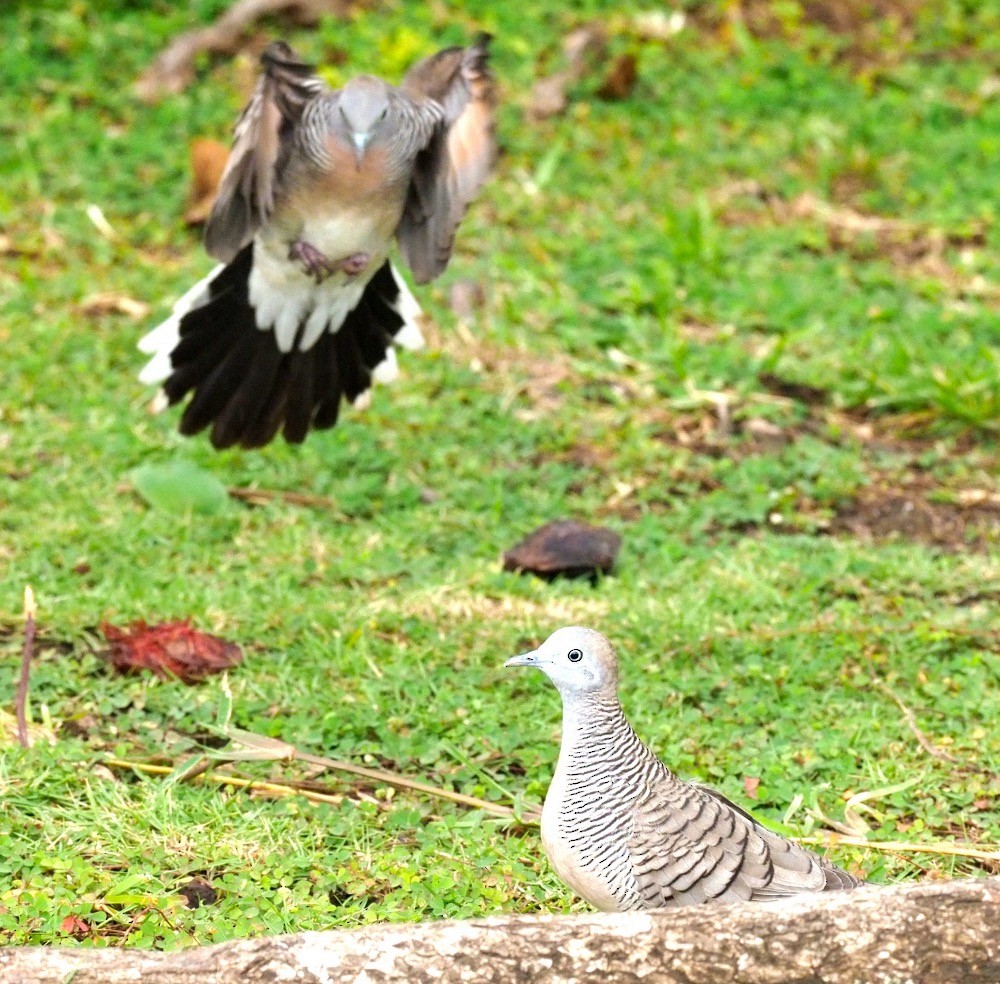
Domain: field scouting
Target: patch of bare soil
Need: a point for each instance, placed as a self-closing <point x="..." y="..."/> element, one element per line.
<point x="862" y="25"/>
<point x="913" y="249"/>
<point x="513" y="373"/>
<point x="886" y="510"/>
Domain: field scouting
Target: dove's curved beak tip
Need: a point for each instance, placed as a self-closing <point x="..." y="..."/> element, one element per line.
<point x="360" y="142"/>
<point x="525" y="659"/>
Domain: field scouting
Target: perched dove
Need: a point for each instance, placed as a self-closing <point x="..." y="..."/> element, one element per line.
<point x="623" y="831"/>
<point x="305" y="308"/>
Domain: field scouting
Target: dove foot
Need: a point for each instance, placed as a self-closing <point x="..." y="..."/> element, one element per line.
<point x="317" y="264"/>
<point x="354" y="264"/>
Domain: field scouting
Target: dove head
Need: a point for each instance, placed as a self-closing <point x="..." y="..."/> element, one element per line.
<point x="578" y="661"/>
<point x="364" y="115"/>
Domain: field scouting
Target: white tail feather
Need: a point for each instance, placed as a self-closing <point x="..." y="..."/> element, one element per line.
<point x="409" y="336"/>
<point x="163" y="339"/>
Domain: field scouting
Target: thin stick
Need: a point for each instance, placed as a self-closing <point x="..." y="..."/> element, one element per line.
<point x="226" y="780"/>
<point x="21" y="699"/>
<point x="957" y="850"/>
<point x="376" y="774"/>
<point x="911" y="720"/>
<point x="257" y="496"/>
<point x="402" y="782"/>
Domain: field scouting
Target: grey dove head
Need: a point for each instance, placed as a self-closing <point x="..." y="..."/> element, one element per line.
<point x="578" y="661"/>
<point x="365" y="114"/>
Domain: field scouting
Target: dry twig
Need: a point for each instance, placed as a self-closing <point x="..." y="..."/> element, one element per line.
<point x="952" y="850"/>
<point x="21" y="700"/>
<point x="258" y="785"/>
<point x="261" y="748"/>
<point x="911" y="720"/>
<point x="257" y="497"/>
<point x="173" y="68"/>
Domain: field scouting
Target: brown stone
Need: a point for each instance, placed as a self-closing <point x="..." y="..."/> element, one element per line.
<point x="567" y="548"/>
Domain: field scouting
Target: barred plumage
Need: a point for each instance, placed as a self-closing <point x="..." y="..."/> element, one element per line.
<point x="306" y="308"/>
<point x="626" y="833"/>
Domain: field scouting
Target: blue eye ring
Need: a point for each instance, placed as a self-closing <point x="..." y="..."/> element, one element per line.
<point x="574" y="655"/>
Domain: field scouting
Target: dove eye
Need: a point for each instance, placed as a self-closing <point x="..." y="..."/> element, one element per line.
<point x="383" y="114"/>
<point x="574" y="655"/>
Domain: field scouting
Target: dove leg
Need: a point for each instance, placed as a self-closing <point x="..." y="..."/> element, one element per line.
<point x="317" y="264"/>
<point x="354" y="264"/>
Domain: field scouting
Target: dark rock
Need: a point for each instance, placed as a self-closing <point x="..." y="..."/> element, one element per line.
<point x="198" y="892"/>
<point x="566" y="548"/>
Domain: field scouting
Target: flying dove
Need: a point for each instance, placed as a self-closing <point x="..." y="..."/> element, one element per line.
<point x="624" y="832"/>
<point x="305" y="308"/>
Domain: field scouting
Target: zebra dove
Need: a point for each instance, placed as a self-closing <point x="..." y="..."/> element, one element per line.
<point x="305" y="309"/>
<point x="623" y="831"/>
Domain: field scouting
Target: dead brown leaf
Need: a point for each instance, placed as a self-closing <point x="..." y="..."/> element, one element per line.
<point x="466" y="298"/>
<point x="208" y="161"/>
<point x="620" y="79"/>
<point x="109" y="302"/>
<point x="584" y="49"/>
<point x="75" y="926"/>
<point x="548" y="96"/>
<point x="169" y="649"/>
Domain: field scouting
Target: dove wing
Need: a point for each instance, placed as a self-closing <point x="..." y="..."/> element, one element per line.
<point x="689" y="844"/>
<point x="260" y="146"/>
<point x="457" y="86"/>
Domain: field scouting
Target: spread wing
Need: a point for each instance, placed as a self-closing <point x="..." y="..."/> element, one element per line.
<point x="690" y="844"/>
<point x="457" y="84"/>
<point x="260" y="146"/>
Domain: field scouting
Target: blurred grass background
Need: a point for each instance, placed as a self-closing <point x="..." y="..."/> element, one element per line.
<point x="745" y="315"/>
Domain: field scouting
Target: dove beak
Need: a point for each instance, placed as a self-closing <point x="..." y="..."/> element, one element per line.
<point x="525" y="659"/>
<point x="360" y="141"/>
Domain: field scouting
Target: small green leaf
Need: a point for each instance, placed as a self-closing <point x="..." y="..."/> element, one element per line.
<point x="180" y="487"/>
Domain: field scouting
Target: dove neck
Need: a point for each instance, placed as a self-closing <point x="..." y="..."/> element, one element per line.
<point x="595" y="722"/>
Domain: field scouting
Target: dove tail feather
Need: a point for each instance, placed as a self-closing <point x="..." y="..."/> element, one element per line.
<point x="245" y="389"/>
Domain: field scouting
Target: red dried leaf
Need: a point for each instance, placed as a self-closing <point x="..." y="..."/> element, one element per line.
<point x="75" y="926"/>
<point x="750" y="784"/>
<point x="170" y="649"/>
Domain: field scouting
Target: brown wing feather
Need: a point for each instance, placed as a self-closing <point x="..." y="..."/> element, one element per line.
<point x="457" y="83"/>
<point x="690" y="844"/>
<point x="246" y="191"/>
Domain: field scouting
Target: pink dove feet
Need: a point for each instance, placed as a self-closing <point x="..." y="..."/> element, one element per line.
<point x="319" y="266"/>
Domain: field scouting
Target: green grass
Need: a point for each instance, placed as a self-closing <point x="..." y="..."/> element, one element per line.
<point x="624" y="292"/>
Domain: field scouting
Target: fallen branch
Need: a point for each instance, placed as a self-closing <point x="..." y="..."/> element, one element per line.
<point x="173" y="68"/>
<point x="940" y="932"/>
<point x="21" y="699"/>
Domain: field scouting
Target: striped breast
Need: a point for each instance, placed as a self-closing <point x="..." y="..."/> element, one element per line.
<point x="603" y="769"/>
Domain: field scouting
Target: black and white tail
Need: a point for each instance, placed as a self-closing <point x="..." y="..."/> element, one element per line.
<point x="245" y="386"/>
